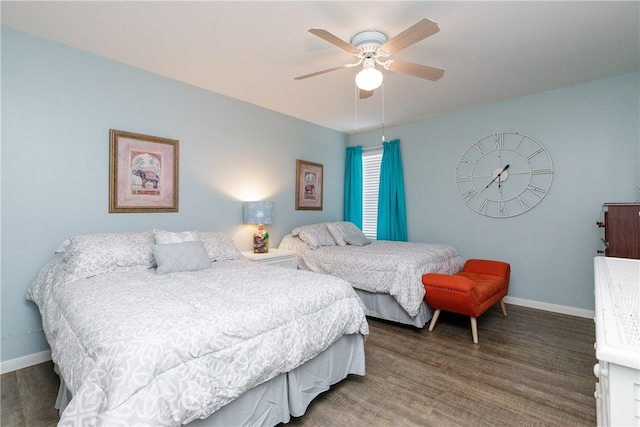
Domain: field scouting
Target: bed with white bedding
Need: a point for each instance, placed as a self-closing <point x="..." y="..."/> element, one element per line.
<point x="387" y="275"/>
<point x="141" y="334"/>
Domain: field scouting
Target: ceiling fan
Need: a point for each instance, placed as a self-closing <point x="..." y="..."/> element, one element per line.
<point x="372" y="47"/>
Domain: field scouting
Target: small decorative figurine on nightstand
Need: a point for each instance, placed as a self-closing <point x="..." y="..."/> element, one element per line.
<point x="261" y="240"/>
<point x="259" y="213"/>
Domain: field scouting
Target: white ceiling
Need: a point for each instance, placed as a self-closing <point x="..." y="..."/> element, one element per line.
<point x="252" y="50"/>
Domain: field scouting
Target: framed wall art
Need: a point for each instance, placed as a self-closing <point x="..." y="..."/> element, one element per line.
<point x="308" y="185"/>
<point x="143" y="173"/>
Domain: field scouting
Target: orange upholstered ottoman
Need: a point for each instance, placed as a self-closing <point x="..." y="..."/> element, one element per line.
<point x="479" y="285"/>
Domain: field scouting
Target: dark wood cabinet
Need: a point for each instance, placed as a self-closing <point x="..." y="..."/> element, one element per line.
<point x="621" y="230"/>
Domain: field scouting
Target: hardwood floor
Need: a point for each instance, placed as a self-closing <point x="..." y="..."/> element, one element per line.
<point x="532" y="368"/>
<point x="28" y="396"/>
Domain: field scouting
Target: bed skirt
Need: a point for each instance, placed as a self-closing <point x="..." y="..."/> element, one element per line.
<point x="384" y="306"/>
<point x="286" y="395"/>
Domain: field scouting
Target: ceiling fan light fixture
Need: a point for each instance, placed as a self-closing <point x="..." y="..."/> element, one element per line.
<point x="369" y="78"/>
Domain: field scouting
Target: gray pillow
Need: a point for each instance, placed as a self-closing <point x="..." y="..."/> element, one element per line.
<point x="339" y="230"/>
<point x="315" y="235"/>
<point x="356" y="240"/>
<point x="219" y="246"/>
<point x="185" y="256"/>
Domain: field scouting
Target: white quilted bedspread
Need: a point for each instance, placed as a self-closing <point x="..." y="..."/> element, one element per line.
<point x="136" y="348"/>
<point x="394" y="268"/>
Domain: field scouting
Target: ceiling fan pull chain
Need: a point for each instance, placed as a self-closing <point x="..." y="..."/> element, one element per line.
<point x="355" y="104"/>
<point x="382" y="97"/>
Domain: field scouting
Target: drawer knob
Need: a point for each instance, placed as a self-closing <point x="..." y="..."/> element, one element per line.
<point x="599" y="372"/>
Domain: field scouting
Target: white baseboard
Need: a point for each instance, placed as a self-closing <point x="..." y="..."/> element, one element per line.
<point x="45" y="356"/>
<point x="555" y="308"/>
<point x="25" y="361"/>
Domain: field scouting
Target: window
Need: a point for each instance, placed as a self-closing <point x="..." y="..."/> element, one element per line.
<point x="371" y="161"/>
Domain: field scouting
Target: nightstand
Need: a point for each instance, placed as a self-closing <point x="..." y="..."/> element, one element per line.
<point x="277" y="257"/>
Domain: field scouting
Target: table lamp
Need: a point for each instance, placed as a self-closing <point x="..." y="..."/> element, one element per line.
<point x="259" y="213"/>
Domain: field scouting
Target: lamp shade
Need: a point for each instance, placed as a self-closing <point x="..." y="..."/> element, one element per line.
<point x="258" y="212"/>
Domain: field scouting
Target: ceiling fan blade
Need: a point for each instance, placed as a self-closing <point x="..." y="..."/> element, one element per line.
<point x="326" y="35"/>
<point x="328" y="70"/>
<point x="411" y="35"/>
<point x="364" y="94"/>
<point x="415" y="70"/>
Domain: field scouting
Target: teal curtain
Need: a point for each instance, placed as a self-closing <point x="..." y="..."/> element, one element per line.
<point x="392" y="216"/>
<point x="353" y="186"/>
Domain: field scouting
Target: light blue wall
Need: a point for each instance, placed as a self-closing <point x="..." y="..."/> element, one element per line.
<point x="58" y="105"/>
<point x="591" y="132"/>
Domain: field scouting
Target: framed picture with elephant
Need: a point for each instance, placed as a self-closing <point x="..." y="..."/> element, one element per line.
<point x="308" y="185"/>
<point x="143" y="173"/>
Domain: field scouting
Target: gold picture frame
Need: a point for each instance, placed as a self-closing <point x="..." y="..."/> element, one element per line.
<point x="143" y="173"/>
<point x="309" y="185"/>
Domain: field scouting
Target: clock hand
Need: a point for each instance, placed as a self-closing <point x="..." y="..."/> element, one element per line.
<point x="497" y="177"/>
<point x="500" y="179"/>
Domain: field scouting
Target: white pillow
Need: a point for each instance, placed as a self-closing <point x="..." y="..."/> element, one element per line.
<point x="339" y="230"/>
<point x="184" y="256"/>
<point x="315" y="235"/>
<point x="171" y="237"/>
<point x="92" y="254"/>
<point x="219" y="246"/>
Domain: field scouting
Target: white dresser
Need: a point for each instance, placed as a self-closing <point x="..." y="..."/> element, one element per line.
<point x="277" y="257"/>
<point x="617" y="299"/>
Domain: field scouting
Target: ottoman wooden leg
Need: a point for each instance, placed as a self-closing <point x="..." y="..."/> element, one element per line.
<point x="434" y="319"/>
<point x="474" y="329"/>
